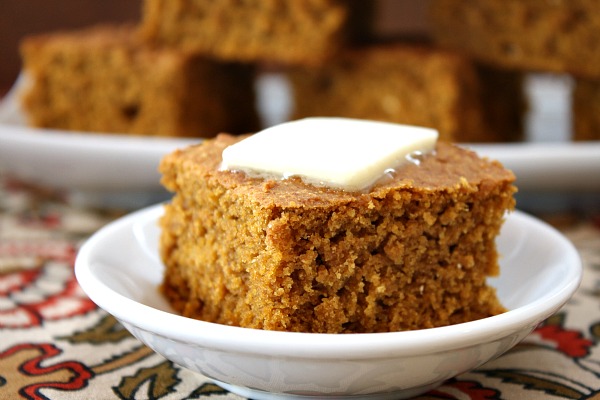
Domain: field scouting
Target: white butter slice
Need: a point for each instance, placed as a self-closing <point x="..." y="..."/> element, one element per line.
<point x="344" y="153"/>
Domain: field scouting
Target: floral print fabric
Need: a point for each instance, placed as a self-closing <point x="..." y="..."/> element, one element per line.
<point x="56" y="344"/>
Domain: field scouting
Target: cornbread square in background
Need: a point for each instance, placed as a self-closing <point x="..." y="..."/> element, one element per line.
<point x="104" y="79"/>
<point x="547" y="36"/>
<point x="586" y="109"/>
<point x="289" y="32"/>
<point x="415" y="85"/>
<point x="413" y="252"/>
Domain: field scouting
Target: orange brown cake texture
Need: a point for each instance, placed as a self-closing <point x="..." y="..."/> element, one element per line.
<point x="187" y="69"/>
<point x="411" y="252"/>
<point x="554" y="36"/>
<point x="103" y="79"/>
<point x="306" y="32"/>
<point x="416" y="85"/>
<point x="533" y="37"/>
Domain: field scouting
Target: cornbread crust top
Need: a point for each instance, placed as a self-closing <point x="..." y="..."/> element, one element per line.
<point x="412" y="253"/>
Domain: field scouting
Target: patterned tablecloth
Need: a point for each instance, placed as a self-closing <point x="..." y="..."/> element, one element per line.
<point x="56" y="344"/>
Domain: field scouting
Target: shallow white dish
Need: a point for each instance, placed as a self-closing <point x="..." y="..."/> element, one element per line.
<point x="119" y="268"/>
<point x="93" y="169"/>
<point x="104" y="163"/>
<point x="94" y="162"/>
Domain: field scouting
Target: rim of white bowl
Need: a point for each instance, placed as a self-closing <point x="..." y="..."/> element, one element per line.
<point x="357" y="346"/>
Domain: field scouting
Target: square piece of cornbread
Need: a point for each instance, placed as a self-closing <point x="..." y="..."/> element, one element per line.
<point x="416" y="85"/>
<point x="547" y="36"/>
<point x="303" y="32"/>
<point x="411" y="252"/>
<point x="104" y="79"/>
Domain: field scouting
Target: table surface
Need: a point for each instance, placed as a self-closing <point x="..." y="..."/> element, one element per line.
<point x="57" y="344"/>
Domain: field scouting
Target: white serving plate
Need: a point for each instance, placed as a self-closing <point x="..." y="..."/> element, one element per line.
<point x="91" y="168"/>
<point x="96" y="164"/>
<point x="82" y="160"/>
<point x="120" y="269"/>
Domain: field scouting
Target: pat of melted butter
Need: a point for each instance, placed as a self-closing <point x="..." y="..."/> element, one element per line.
<point x="342" y="153"/>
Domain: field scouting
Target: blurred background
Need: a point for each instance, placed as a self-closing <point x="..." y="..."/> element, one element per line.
<point x="23" y="17"/>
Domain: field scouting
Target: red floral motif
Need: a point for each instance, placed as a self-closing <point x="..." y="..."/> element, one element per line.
<point x="44" y="250"/>
<point x="21" y="372"/>
<point x="41" y="284"/>
<point x="463" y="389"/>
<point x="47" y="220"/>
<point x="50" y="293"/>
<point x="16" y="281"/>
<point x="570" y="342"/>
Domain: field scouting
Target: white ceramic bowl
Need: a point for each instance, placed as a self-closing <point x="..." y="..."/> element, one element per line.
<point x="119" y="268"/>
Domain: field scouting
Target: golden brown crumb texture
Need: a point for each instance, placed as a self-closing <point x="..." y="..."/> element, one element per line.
<point x="307" y="32"/>
<point x="552" y="36"/>
<point x="412" y="253"/>
<point x="415" y="85"/>
<point x="103" y="79"/>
